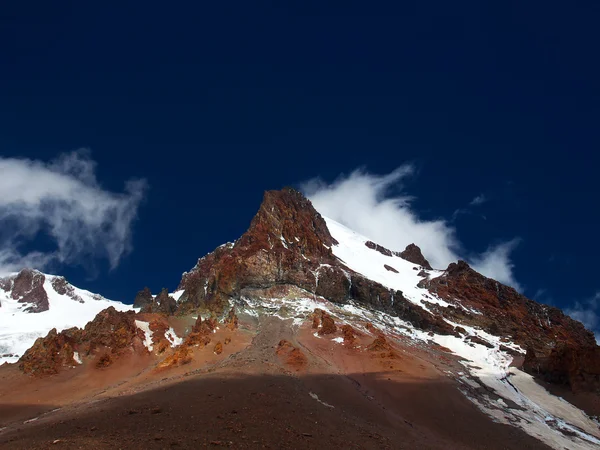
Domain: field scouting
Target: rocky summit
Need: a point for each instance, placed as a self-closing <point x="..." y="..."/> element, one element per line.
<point x="299" y="334"/>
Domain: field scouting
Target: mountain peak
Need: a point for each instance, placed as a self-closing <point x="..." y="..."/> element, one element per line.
<point x="413" y="254"/>
<point x="287" y="215"/>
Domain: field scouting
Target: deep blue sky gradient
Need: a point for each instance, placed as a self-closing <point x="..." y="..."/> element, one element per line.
<point x="215" y="104"/>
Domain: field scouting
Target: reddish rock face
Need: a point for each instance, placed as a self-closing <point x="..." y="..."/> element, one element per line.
<point x="28" y="287"/>
<point x="350" y="335"/>
<point x="505" y="312"/>
<point x="560" y="349"/>
<point x="111" y="332"/>
<point x="231" y="321"/>
<point x="578" y="368"/>
<point x="288" y="244"/>
<point x="291" y="355"/>
<point x="413" y="254"/>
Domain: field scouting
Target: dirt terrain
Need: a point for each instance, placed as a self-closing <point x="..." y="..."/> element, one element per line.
<point x="273" y="386"/>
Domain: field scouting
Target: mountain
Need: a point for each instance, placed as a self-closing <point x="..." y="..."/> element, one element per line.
<point x="303" y="333"/>
<point x="32" y="303"/>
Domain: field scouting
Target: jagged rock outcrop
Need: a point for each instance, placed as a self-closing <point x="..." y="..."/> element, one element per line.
<point x="502" y="311"/>
<point x="28" y="287"/>
<point x="560" y="349"/>
<point x="111" y="333"/>
<point x="379" y="248"/>
<point x="199" y="336"/>
<point x="576" y="367"/>
<point x="291" y="355"/>
<point x="62" y="286"/>
<point x="288" y="244"/>
<point x="285" y="244"/>
<point x="231" y="321"/>
<point x="163" y="303"/>
<point x="413" y="254"/>
<point x="143" y="299"/>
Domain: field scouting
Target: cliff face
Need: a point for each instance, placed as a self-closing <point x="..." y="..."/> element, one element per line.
<point x="107" y="337"/>
<point x="288" y="246"/>
<point x="547" y="333"/>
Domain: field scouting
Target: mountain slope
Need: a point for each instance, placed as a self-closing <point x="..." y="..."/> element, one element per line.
<point x="302" y="317"/>
<point x="32" y="303"/>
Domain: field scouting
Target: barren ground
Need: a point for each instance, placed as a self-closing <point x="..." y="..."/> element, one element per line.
<point x="255" y="394"/>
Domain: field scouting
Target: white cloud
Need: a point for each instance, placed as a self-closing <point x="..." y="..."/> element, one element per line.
<point x="495" y="262"/>
<point x="363" y="202"/>
<point x="479" y="200"/>
<point x="63" y="201"/>
<point x="588" y="313"/>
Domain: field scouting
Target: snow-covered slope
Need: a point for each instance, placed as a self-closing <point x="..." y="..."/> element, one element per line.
<point x="516" y="398"/>
<point x="505" y="393"/>
<point x="19" y="328"/>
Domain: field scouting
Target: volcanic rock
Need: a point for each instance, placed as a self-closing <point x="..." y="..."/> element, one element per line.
<point x="231" y="321"/>
<point x="28" y="287"/>
<point x="111" y="332"/>
<point x="162" y="303"/>
<point x="413" y="254"/>
<point x="379" y="248"/>
<point x="504" y="312"/>
<point x="143" y="300"/>
<point x="291" y="355"/>
<point x="576" y="367"/>
<point x="62" y="286"/>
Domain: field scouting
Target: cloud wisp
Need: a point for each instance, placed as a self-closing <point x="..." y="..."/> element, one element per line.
<point x="588" y="313"/>
<point x="479" y="200"/>
<point x="364" y="202"/>
<point x="62" y="201"/>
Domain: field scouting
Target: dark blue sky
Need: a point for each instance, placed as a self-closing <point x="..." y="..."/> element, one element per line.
<point x="214" y="106"/>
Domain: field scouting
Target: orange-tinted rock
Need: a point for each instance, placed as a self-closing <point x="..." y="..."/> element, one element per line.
<point x="227" y="340"/>
<point x="182" y="355"/>
<point x="291" y="355"/>
<point x="380" y="344"/>
<point x="159" y="328"/>
<point x="218" y="348"/>
<point x="323" y="321"/>
<point x="231" y="321"/>
<point x="327" y="325"/>
<point x="104" y="360"/>
<point x="349" y="334"/>
<point x="50" y="354"/>
<point x="111" y="331"/>
<point x="382" y="347"/>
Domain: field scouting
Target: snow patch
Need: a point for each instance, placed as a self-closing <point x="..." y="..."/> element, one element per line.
<point x="316" y="397"/>
<point x="20" y="329"/>
<point x="145" y="327"/>
<point x="177" y="294"/>
<point x="173" y="338"/>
